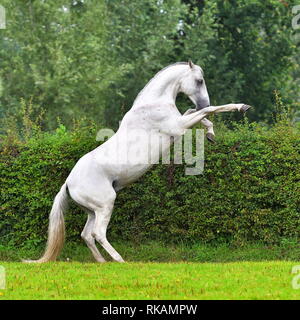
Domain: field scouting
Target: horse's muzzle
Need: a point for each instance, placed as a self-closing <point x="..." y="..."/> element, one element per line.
<point x="201" y="104"/>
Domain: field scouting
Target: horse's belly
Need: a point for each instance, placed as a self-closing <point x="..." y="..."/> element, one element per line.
<point x="131" y="174"/>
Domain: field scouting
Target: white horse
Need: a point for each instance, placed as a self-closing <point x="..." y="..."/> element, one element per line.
<point x="99" y="174"/>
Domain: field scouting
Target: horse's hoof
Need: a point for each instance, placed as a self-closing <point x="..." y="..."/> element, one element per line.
<point x="210" y="137"/>
<point x="245" y="108"/>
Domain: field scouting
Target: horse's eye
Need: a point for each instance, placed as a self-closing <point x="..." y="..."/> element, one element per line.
<point x="199" y="82"/>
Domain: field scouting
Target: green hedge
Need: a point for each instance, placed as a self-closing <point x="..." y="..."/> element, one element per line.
<point x="249" y="191"/>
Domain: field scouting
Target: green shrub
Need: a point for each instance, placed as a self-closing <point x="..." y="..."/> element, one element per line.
<point x="249" y="190"/>
<point x="31" y="174"/>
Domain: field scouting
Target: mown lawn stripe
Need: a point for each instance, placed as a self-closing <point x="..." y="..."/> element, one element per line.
<point x="74" y="280"/>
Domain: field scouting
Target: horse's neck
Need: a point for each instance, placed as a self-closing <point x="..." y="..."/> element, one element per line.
<point x="163" y="87"/>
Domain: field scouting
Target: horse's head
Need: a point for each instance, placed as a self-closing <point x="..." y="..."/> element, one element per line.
<point x="193" y="85"/>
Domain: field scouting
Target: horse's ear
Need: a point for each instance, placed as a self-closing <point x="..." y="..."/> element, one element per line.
<point x="191" y="64"/>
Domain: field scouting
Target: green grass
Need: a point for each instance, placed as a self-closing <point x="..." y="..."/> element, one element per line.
<point x="161" y="252"/>
<point x="74" y="280"/>
<point x="156" y="271"/>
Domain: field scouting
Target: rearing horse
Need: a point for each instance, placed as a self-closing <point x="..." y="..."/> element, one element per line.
<point x="98" y="175"/>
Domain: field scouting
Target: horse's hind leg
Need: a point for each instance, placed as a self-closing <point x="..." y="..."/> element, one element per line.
<point x="103" y="215"/>
<point x="86" y="235"/>
<point x="98" y="198"/>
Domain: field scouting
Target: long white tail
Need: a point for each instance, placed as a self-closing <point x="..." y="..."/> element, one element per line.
<point x="56" y="230"/>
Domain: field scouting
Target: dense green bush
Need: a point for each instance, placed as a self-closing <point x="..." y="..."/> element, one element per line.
<point x="250" y="190"/>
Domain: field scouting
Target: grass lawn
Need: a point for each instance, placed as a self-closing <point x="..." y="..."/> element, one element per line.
<point x="75" y="280"/>
<point x="155" y="271"/>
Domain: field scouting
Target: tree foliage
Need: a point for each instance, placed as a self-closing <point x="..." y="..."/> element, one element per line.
<point x="56" y="54"/>
<point x="91" y="58"/>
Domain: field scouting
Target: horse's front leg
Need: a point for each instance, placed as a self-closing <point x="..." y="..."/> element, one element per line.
<point x="189" y="120"/>
<point x="210" y="135"/>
